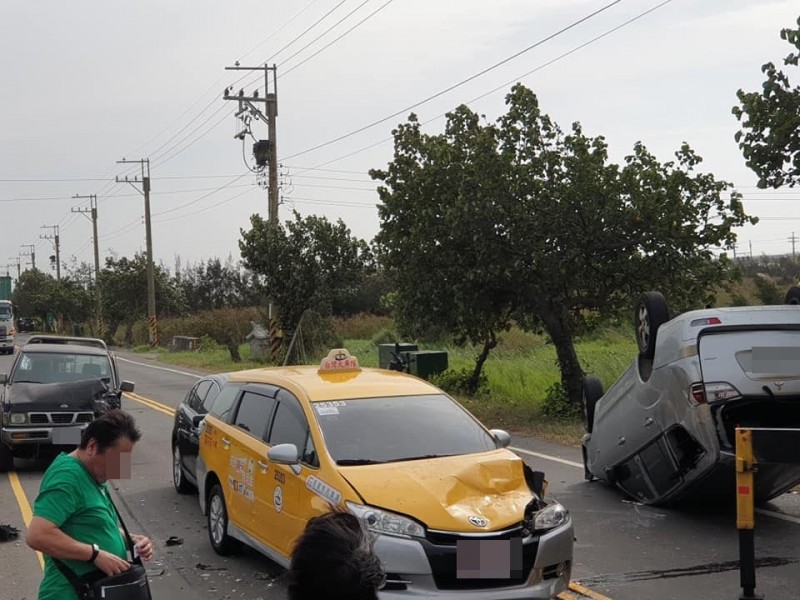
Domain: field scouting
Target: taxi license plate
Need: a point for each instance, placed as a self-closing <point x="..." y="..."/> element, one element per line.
<point x="489" y="559"/>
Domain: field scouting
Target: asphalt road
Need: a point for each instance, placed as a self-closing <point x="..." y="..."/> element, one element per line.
<point x="623" y="550"/>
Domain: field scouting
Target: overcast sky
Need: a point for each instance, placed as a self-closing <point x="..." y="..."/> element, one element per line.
<point x="87" y="83"/>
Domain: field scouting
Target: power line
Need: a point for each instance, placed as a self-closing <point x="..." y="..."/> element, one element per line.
<point x="203" y="197"/>
<point x="329" y="44"/>
<point x="503" y="86"/>
<point x="277" y="31"/>
<point x="317" y="22"/>
<point x="459" y="84"/>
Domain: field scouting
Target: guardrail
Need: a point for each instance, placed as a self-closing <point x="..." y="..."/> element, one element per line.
<point x="754" y="446"/>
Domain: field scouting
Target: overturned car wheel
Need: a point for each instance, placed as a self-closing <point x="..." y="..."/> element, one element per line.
<point x="651" y="313"/>
<point x="592" y="392"/>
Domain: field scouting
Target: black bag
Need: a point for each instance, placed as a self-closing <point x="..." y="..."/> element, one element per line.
<point x="128" y="585"/>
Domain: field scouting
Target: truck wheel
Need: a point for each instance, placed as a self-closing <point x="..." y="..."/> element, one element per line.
<point x="6" y="458"/>
<point x="651" y="313"/>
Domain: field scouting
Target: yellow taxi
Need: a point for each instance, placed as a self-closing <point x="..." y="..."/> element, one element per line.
<point x="454" y="513"/>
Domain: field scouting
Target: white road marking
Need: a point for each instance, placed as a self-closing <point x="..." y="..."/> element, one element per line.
<point x="133" y="362"/>
<point x="547" y="457"/>
<point x="763" y="511"/>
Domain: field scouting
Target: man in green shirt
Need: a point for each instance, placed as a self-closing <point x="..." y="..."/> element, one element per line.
<point x="73" y="518"/>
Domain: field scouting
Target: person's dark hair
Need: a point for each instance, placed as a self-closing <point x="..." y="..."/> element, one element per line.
<point x="108" y="428"/>
<point x="333" y="560"/>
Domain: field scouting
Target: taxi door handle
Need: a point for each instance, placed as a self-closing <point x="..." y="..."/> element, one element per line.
<point x="264" y="466"/>
<point x="226" y="443"/>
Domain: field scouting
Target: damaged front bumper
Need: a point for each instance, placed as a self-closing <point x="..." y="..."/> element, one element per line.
<point x="425" y="568"/>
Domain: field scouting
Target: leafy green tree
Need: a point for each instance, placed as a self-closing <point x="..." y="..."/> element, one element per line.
<point x="487" y="224"/>
<point x="770" y="134"/>
<point x="38" y="294"/>
<point x="310" y="263"/>
<point x="123" y="282"/>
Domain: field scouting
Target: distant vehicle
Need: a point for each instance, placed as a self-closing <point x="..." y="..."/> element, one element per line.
<point x="665" y="429"/>
<point x="6" y="327"/>
<point x="26" y="324"/>
<point x="52" y="392"/>
<point x="434" y="487"/>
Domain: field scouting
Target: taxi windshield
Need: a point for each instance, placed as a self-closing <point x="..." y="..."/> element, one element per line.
<point x="394" y="429"/>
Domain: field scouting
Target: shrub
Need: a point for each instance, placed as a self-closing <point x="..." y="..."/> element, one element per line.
<point x="361" y="327"/>
<point x="385" y="336"/>
<point x="457" y="382"/>
<point x="556" y="405"/>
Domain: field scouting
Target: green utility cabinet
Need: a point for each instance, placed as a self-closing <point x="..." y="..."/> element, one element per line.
<point x="424" y="363"/>
<point x="385" y="353"/>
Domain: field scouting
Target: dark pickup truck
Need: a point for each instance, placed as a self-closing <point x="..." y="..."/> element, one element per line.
<point x="52" y="392"/>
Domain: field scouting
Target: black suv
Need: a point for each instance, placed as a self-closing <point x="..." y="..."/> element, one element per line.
<point x="54" y="389"/>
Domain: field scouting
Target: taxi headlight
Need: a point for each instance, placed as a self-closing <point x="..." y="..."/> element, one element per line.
<point x="550" y="517"/>
<point x="385" y="522"/>
<point x="18" y="418"/>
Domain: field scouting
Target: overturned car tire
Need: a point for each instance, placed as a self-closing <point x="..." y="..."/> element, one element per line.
<point x="792" y="296"/>
<point x="651" y="313"/>
<point x="592" y="392"/>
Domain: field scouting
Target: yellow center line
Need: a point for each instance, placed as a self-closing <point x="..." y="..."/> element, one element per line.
<point x="162" y="408"/>
<point x="24" y="507"/>
<point x="578" y="588"/>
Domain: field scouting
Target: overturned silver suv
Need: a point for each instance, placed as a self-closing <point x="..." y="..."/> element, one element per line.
<point x="665" y="428"/>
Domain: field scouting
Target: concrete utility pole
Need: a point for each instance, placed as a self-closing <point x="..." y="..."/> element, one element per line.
<point x="19" y="265"/>
<point x="151" y="284"/>
<point x="31" y="252"/>
<point x="92" y="210"/>
<point x="265" y="151"/>
<point x="751" y="250"/>
<point x="55" y="238"/>
<point x="793" y="240"/>
<point x="266" y="155"/>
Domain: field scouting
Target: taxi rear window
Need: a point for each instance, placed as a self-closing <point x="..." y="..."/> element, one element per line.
<point x="392" y="429"/>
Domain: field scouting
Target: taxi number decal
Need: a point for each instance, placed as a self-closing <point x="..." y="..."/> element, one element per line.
<point x="280" y="477"/>
<point x="241" y="487"/>
<point x="328" y="408"/>
<point x="323" y="490"/>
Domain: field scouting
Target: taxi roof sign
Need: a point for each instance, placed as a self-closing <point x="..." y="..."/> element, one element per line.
<point x="339" y="359"/>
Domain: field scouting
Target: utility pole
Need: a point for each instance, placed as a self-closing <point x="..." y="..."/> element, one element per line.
<point x="19" y="266"/>
<point x="55" y="238"/>
<point x="265" y="151"/>
<point x="751" y="250"/>
<point x="793" y="240"/>
<point x="31" y="252"/>
<point x="151" y="284"/>
<point x="266" y="155"/>
<point x="92" y="210"/>
<point x="734" y="252"/>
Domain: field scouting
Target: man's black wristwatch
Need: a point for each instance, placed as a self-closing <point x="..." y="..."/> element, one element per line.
<point x="95" y="552"/>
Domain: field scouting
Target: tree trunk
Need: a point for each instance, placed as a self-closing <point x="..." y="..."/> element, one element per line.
<point x="233" y="348"/>
<point x="474" y="380"/>
<point x="560" y="331"/>
<point x="111" y="329"/>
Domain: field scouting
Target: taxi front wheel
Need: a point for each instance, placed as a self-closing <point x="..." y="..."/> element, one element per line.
<point x="218" y="524"/>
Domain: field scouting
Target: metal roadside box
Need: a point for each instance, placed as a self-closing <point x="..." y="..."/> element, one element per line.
<point x="385" y="352"/>
<point x="424" y="363"/>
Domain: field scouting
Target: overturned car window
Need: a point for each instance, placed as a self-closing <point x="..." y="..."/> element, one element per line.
<point x="379" y="430"/>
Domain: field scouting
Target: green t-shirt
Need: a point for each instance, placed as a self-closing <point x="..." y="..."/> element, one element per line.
<point x="70" y="498"/>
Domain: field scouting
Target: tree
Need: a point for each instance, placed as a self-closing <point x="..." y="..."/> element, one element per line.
<point x="489" y="224"/>
<point x="124" y="298"/>
<point x="770" y="134"/>
<point x="38" y="294"/>
<point x="310" y="263"/>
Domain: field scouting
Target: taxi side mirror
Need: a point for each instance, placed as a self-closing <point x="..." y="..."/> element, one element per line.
<point x="285" y="454"/>
<point x="503" y="438"/>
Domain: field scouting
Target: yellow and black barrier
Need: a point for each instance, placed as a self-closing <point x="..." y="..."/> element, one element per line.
<point x="754" y="446"/>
